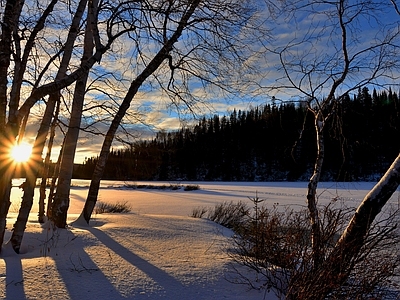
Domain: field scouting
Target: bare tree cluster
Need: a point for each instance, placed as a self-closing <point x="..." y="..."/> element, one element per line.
<point x="322" y="62"/>
<point x="51" y="53"/>
<point x="56" y="60"/>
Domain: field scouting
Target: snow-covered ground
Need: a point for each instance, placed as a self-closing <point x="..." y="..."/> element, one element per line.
<point x="155" y="252"/>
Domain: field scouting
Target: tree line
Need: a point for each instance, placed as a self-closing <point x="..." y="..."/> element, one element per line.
<point x="268" y="143"/>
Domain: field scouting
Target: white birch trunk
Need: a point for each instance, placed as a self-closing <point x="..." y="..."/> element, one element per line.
<point x="312" y="192"/>
<point x="37" y="151"/>
<point x="61" y="199"/>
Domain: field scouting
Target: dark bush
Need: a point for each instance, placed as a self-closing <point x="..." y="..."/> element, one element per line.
<point x="119" y="207"/>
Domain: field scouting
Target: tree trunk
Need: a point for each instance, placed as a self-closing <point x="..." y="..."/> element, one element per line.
<point x="36" y="159"/>
<point x="9" y="23"/>
<point x="316" y="239"/>
<point x="353" y="238"/>
<point x="10" y="20"/>
<point x="134" y="87"/>
<point x="60" y="204"/>
<point x="5" y="189"/>
<point x="53" y="183"/>
<point x="26" y="205"/>
<point x="338" y="265"/>
<point x="46" y="167"/>
<point x="312" y="193"/>
<point x="35" y="166"/>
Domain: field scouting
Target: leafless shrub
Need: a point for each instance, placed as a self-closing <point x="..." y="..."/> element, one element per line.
<point x="199" y="212"/>
<point x="191" y="187"/>
<point x="119" y="207"/>
<point x="275" y="246"/>
<point x="174" y="187"/>
<point x="229" y="214"/>
<point x="271" y="249"/>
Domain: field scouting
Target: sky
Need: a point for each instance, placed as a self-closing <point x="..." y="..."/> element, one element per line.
<point x="309" y="42"/>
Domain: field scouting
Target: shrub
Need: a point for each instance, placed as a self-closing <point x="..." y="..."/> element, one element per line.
<point x="199" y="212"/>
<point x="174" y="187"/>
<point x="228" y="214"/>
<point x="274" y="247"/>
<point x="275" y="244"/>
<point x="119" y="207"/>
<point x="191" y="187"/>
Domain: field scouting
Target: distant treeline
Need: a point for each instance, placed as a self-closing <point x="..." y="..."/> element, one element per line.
<point x="268" y="143"/>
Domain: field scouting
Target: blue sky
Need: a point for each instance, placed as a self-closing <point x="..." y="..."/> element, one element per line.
<point x="312" y="42"/>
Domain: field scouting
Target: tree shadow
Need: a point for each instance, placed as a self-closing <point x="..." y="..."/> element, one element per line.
<point x="74" y="269"/>
<point x="170" y="285"/>
<point x="14" y="278"/>
<point x="78" y="271"/>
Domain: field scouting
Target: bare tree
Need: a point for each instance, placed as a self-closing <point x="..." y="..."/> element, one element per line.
<point x="13" y="33"/>
<point x="61" y="199"/>
<point x="340" y="262"/>
<point x="212" y="51"/>
<point x="46" y="166"/>
<point x="30" y="183"/>
<point x="8" y="26"/>
<point x="323" y="60"/>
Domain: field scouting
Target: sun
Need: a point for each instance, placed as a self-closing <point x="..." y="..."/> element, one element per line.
<point x="21" y="153"/>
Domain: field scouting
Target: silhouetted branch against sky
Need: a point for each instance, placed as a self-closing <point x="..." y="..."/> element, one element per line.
<point x="342" y="44"/>
<point x="233" y="55"/>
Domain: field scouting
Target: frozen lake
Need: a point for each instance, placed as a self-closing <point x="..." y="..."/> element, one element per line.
<point x="179" y="202"/>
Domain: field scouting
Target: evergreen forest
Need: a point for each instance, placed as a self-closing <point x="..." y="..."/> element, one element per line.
<point x="268" y="143"/>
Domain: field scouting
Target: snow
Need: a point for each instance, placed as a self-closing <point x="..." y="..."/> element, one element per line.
<point x="155" y="252"/>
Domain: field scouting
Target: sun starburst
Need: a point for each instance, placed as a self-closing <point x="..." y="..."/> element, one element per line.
<point x="21" y="153"/>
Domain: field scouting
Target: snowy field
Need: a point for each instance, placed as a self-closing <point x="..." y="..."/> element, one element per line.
<point x="155" y="252"/>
